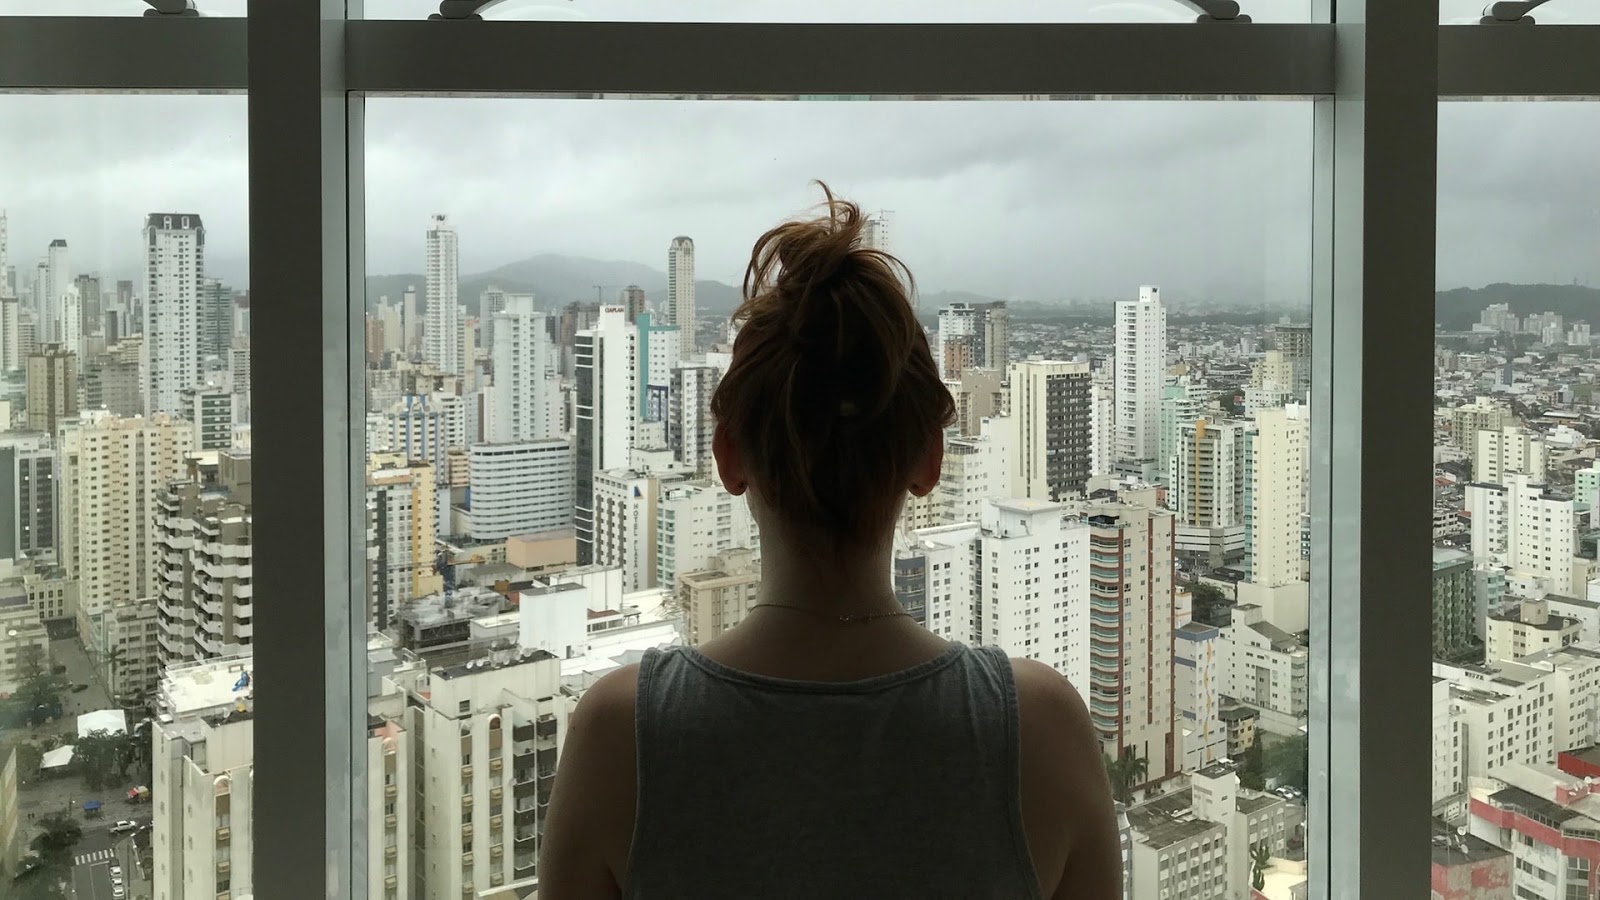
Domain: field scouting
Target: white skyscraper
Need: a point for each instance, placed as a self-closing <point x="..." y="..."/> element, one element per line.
<point x="1497" y="452"/>
<point x="1141" y="335"/>
<point x="520" y="488"/>
<point x="1045" y="615"/>
<point x="174" y="272"/>
<point x="689" y="421"/>
<point x="1052" y="421"/>
<point x="1274" y="490"/>
<point x="604" y="413"/>
<point x="526" y="395"/>
<point x="442" y="333"/>
<point x="680" y="292"/>
<point x="51" y="298"/>
<point x="878" y="231"/>
<point x="70" y="325"/>
<point x="1198" y="677"/>
<point x="1521" y="526"/>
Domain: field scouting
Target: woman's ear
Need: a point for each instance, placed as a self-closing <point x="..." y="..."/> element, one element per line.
<point x="730" y="469"/>
<point x="925" y="476"/>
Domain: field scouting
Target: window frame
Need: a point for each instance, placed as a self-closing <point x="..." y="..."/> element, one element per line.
<point x="309" y="63"/>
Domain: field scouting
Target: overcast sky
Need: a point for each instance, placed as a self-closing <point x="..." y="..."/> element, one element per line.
<point x="1026" y="200"/>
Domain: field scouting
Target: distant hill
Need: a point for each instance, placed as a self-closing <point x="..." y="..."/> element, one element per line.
<point x="1459" y="309"/>
<point x="556" y="281"/>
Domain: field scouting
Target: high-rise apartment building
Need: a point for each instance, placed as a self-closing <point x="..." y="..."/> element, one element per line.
<point x="113" y="380"/>
<point x="657" y="352"/>
<point x="604" y="414"/>
<point x="1482" y="413"/>
<point x="442" y="333"/>
<point x="27" y="497"/>
<point x="485" y="737"/>
<point x="204" y="595"/>
<point x="1453" y="605"/>
<point x="696" y="520"/>
<point x="718" y="597"/>
<point x="1207" y="492"/>
<point x="10" y="338"/>
<point x="1051" y="415"/>
<point x="526" y="392"/>
<point x="524" y="487"/>
<point x="690" y="425"/>
<point x="210" y="410"/>
<point x="680" y="293"/>
<point x="1266" y="668"/>
<point x="1130" y="688"/>
<point x="1180" y="403"/>
<point x="1141" y="363"/>
<point x="174" y="280"/>
<point x="1294" y="342"/>
<point x="1276" y="448"/>
<point x="626" y="503"/>
<point x="201" y="787"/>
<point x="979" y="394"/>
<point x="975" y="471"/>
<point x="632" y="299"/>
<point x="50" y="295"/>
<point x="1496" y="452"/>
<point x="215" y="319"/>
<point x="112" y="472"/>
<point x="52" y="385"/>
<point x="402" y="499"/>
<point x="1198" y="691"/>
<point x="972" y="336"/>
<point x="1039" y="607"/>
<point x="202" y="790"/>
<point x="1533" y="533"/>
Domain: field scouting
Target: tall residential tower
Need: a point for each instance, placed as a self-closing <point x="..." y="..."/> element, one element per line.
<point x="1141" y="335"/>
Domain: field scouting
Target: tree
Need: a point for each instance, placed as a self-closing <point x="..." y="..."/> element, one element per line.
<point x="45" y="874"/>
<point x="1252" y="771"/>
<point x="1287" y="761"/>
<point x="103" y="758"/>
<point x="1211" y="604"/>
<point x="39" y="695"/>
<point x="1260" y="858"/>
<point x="1126" y="773"/>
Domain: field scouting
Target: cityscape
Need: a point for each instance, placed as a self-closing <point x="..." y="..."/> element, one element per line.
<point x="543" y="507"/>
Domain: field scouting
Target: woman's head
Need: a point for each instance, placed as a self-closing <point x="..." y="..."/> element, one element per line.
<point x="832" y="409"/>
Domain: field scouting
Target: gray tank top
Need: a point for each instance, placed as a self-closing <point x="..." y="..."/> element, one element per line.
<point x="902" y="785"/>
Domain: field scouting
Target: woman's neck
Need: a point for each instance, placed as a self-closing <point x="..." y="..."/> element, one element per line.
<point x="852" y="579"/>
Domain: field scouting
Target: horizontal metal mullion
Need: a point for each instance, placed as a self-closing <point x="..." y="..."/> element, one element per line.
<point x="1519" y="60"/>
<point x="132" y="53"/>
<point x="470" y="57"/>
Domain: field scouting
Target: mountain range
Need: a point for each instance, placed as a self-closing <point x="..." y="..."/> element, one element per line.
<point x="556" y="280"/>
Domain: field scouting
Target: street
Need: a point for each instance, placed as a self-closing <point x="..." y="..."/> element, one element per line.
<point x="93" y="858"/>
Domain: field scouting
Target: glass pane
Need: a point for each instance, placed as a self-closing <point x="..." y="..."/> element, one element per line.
<point x="221" y="8"/>
<point x="544" y="329"/>
<point x="1516" y="600"/>
<point x="843" y="11"/>
<point x="1554" y="12"/>
<point x="125" y="482"/>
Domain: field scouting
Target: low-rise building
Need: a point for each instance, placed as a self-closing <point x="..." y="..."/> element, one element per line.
<point x="1525" y="628"/>
<point x="1547" y="820"/>
<point x="1267" y="668"/>
<point x="24" y="642"/>
<point x="1467" y="867"/>
<point x="1506" y="716"/>
<point x="717" y="598"/>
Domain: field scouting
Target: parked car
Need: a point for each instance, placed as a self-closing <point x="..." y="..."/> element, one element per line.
<point x="118" y="892"/>
<point x="124" y="826"/>
<point x="79" y="688"/>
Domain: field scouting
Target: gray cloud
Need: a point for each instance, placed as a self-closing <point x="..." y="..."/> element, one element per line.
<point x="1030" y="200"/>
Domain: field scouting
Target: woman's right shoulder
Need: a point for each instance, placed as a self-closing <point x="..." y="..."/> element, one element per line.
<point x="1066" y="798"/>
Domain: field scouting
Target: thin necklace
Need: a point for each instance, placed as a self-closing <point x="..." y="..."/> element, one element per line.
<point x="856" y="617"/>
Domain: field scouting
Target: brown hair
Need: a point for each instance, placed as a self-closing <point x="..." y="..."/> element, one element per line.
<point x="832" y="397"/>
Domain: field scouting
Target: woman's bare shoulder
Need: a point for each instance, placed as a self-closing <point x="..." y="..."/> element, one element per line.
<point x="1066" y="800"/>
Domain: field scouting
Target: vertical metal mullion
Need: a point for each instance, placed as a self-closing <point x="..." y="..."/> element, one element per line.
<point x="311" y="638"/>
<point x="1375" y="187"/>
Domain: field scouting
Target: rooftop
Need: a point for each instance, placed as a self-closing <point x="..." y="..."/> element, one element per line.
<point x="1452" y="849"/>
<point x="206" y="687"/>
<point x="1167" y="820"/>
<point x="473" y="667"/>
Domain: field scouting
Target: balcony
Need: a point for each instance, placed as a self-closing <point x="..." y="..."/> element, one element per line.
<point x="390" y="821"/>
<point x="523" y="789"/>
<point x="524" y="818"/>
<point x="495" y="765"/>
<point x="466" y="773"/>
<point x="466" y="832"/>
<point x="390" y="852"/>
<point x="466" y="860"/>
<point x="495" y="793"/>
<point x="389" y="791"/>
<point x="391" y="882"/>
<point x="224" y="834"/>
<point x="545" y="728"/>
<point x="524" y="732"/>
